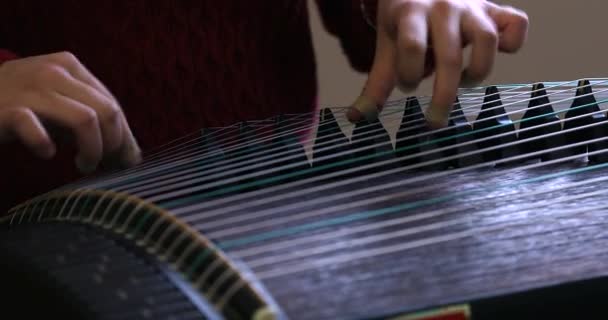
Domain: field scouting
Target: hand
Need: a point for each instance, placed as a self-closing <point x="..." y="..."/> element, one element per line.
<point x="58" y="90"/>
<point x="418" y="37"/>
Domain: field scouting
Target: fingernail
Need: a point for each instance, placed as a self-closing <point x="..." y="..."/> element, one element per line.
<point x="353" y="115"/>
<point x="366" y="107"/>
<point x="437" y="117"/>
<point x="132" y="156"/>
<point x="85" y="167"/>
<point x="48" y="151"/>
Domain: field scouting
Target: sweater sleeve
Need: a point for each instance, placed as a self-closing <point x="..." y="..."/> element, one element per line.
<point x="6" y="55"/>
<point x="346" y="20"/>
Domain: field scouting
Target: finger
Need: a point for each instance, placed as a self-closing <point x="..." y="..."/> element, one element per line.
<point x="80" y="119"/>
<point x="445" y="30"/>
<point x="108" y="113"/>
<point x="412" y="35"/>
<point x="131" y="154"/>
<point x="128" y="155"/>
<point x="512" y="26"/>
<point x="127" y="152"/>
<point x="23" y="123"/>
<point x="479" y="30"/>
<point x="71" y="63"/>
<point x="380" y="82"/>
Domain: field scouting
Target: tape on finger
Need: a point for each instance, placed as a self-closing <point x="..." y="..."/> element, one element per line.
<point x="366" y="108"/>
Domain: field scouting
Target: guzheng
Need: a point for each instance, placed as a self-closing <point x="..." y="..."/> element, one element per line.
<point x="501" y="215"/>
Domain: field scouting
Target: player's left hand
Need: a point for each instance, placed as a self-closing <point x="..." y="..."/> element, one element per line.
<point x="416" y="38"/>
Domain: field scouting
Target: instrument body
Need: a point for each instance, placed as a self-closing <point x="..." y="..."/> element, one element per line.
<point x="499" y="216"/>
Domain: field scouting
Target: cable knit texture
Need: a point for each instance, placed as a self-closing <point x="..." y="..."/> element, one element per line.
<point x="176" y="66"/>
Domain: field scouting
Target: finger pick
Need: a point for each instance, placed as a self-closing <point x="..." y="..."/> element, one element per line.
<point x="363" y="108"/>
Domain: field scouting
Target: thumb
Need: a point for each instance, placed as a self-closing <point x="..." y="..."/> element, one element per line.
<point x="380" y="82"/>
<point x="512" y="25"/>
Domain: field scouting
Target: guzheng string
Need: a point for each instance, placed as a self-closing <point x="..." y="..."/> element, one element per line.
<point x="253" y="158"/>
<point x="172" y="176"/>
<point x="218" y="135"/>
<point x="512" y="87"/>
<point x="192" y="180"/>
<point x="160" y="160"/>
<point x="565" y="120"/>
<point x="279" y="261"/>
<point x="251" y="142"/>
<point x="420" y="125"/>
<point x="322" y="122"/>
<point x="403" y="221"/>
<point x="364" y="202"/>
<point x="232" y="228"/>
<point x="350" y="256"/>
<point x="369" y="214"/>
<point x="332" y="185"/>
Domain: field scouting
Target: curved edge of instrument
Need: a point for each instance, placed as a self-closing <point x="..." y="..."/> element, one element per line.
<point x="455" y="312"/>
<point x="226" y="283"/>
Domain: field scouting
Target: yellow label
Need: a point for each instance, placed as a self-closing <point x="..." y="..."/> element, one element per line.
<point x="462" y="312"/>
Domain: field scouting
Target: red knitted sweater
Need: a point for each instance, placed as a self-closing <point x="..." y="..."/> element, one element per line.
<point x="177" y="66"/>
